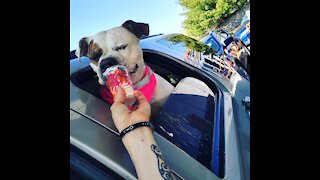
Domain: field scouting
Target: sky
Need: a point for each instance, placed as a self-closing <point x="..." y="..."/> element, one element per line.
<point x="88" y="17"/>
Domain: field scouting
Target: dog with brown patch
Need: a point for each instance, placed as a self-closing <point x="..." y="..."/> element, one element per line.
<point x="120" y="46"/>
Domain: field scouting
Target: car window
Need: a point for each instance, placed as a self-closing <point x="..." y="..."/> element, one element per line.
<point x="221" y="38"/>
<point x="182" y="42"/>
<point x="198" y="54"/>
<point x="194" y="50"/>
<point x="204" y="39"/>
<point x="213" y="43"/>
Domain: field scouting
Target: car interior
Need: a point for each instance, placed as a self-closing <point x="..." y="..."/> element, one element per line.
<point x="183" y="106"/>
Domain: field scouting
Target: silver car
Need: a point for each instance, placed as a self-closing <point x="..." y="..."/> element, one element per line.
<point x="201" y="120"/>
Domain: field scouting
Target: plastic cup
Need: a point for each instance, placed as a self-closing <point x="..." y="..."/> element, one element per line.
<point x="117" y="76"/>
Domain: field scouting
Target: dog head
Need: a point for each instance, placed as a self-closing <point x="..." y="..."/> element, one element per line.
<point x="116" y="46"/>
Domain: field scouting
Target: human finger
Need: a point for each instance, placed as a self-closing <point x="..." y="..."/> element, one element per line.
<point x="118" y="108"/>
<point x="140" y="97"/>
<point x="120" y="97"/>
<point x="144" y="106"/>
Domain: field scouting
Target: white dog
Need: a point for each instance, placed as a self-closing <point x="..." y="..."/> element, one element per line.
<point x="120" y="45"/>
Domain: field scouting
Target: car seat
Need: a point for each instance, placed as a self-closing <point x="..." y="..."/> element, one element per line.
<point x="187" y="119"/>
<point x="161" y="94"/>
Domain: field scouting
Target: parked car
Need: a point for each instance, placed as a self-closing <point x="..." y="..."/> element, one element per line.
<point x="243" y="30"/>
<point x="219" y="34"/>
<point x="213" y="41"/>
<point x="202" y="126"/>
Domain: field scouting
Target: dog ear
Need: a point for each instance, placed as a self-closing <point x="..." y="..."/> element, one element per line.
<point x="83" y="48"/>
<point x="138" y="29"/>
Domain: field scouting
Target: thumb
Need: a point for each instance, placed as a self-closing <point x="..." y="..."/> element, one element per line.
<point x="120" y="97"/>
<point x="141" y="98"/>
<point x="144" y="106"/>
<point x="118" y="108"/>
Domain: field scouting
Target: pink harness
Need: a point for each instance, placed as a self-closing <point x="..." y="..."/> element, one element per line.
<point x="146" y="86"/>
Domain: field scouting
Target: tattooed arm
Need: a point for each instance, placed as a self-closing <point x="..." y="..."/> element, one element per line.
<point x="146" y="155"/>
<point x="140" y="143"/>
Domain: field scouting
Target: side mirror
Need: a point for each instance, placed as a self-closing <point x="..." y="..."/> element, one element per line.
<point x="228" y="41"/>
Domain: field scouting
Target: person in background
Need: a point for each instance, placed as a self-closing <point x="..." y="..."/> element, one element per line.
<point x="234" y="50"/>
<point x="137" y="137"/>
<point x="229" y="62"/>
<point x="241" y="53"/>
<point x="231" y="65"/>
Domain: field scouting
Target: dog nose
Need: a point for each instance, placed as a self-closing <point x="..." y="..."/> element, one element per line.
<point x="107" y="62"/>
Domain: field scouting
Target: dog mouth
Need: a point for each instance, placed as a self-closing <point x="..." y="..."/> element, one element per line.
<point x="107" y="63"/>
<point x="110" y="61"/>
<point x="105" y="66"/>
<point x="133" y="71"/>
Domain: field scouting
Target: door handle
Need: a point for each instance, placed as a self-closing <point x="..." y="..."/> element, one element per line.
<point x="246" y="102"/>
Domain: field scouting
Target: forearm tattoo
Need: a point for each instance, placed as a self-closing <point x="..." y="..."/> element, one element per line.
<point x="163" y="168"/>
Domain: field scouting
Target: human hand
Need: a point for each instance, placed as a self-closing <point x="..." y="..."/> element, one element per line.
<point x="123" y="116"/>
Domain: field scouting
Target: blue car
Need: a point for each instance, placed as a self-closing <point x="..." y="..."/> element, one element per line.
<point x="212" y="41"/>
<point x="244" y="34"/>
<point x="243" y="31"/>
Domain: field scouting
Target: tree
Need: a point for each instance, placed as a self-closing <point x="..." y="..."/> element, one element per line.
<point x="204" y="14"/>
<point x="192" y="44"/>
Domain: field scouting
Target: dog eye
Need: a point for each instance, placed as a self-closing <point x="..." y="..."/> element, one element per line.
<point x="121" y="47"/>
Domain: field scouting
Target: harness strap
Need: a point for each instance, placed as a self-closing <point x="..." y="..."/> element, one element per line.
<point x="144" y="81"/>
